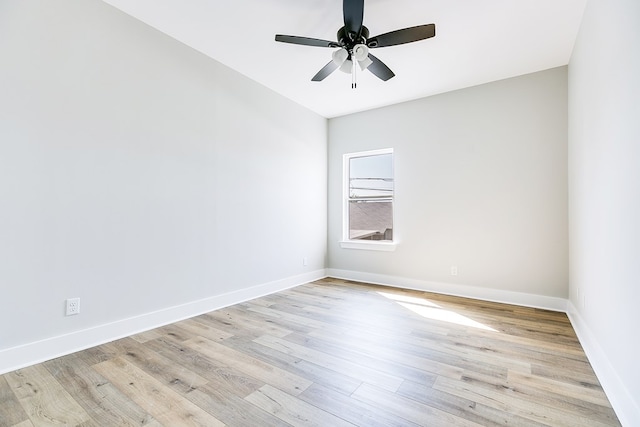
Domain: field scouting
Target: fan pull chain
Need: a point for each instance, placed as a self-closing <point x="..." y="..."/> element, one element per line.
<point x="353" y="74"/>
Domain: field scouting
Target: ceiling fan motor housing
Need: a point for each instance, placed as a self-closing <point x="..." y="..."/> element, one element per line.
<point x="349" y="40"/>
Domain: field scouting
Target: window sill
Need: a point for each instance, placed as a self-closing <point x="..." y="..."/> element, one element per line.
<point x="369" y="245"/>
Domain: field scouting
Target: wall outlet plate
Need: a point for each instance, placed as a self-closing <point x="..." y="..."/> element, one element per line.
<point x="73" y="306"/>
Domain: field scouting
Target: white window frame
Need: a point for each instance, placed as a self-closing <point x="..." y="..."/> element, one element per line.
<point x="346" y="242"/>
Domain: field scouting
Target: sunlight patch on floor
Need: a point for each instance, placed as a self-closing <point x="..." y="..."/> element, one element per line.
<point x="430" y="310"/>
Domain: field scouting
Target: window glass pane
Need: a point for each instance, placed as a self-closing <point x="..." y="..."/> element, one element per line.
<point x="371" y="176"/>
<point x="370" y="220"/>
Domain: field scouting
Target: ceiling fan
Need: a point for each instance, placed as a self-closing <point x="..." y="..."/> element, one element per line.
<point x="354" y="44"/>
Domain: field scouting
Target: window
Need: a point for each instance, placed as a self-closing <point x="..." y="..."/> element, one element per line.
<point x="368" y="200"/>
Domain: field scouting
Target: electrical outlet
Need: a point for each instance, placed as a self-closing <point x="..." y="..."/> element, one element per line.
<point x="454" y="270"/>
<point x="304" y="262"/>
<point x="73" y="306"/>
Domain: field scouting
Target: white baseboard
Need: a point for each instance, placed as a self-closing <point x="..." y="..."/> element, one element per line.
<point x="481" y="293"/>
<point x="50" y="348"/>
<point x="623" y="403"/>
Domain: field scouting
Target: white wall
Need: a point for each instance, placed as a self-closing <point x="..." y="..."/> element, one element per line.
<point x="604" y="202"/>
<point x="139" y="175"/>
<point x="481" y="183"/>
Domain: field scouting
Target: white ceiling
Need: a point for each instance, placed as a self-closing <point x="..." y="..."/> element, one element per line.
<point x="477" y="41"/>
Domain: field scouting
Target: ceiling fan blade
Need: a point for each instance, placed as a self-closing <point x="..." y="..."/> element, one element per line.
<point x="406" y="35"/>
<point x="325" y="71"/>
<point x="353" y="12"/>
<point x="379" y="69"/>
<point x="306" y="41"/>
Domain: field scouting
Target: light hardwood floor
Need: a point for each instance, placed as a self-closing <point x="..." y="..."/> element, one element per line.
<point x="329" y="353"/>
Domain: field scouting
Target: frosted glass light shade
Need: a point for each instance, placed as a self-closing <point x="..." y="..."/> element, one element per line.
<point x="365" y="63"/>
<point x="360" y="52"/>
<point x="347" y="66"/>
<point x="340" y="56"/>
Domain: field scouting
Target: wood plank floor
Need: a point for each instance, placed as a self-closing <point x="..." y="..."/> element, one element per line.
<point x="328" y="353"/>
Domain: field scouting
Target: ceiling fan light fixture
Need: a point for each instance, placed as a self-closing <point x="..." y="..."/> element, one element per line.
<point x="340" y="56"/>
<point x="364" y="64"/>
<point x="360" y="52"/>
<point x="347" y="66"/>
